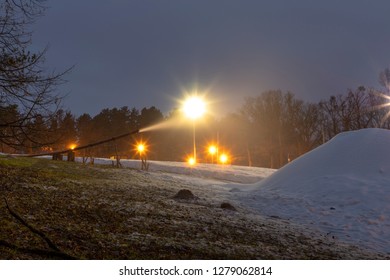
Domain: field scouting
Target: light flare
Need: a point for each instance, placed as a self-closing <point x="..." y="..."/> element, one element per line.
<point x="223" y="158"/>
<point x="194" y="107"/>
<point x="212" y="150"/>
<point x="191" y="161"/>
<point x="141" y="147"/>
<point x="381" y="106"/>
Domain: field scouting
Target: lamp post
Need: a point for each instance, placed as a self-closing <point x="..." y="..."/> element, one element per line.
<point x="71" y="154"/>
<point x="194" y="108"/>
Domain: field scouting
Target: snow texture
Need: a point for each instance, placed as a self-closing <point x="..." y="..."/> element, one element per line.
<point x="341" y="188"/>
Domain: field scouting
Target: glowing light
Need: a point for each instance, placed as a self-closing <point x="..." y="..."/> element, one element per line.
<point x="191" y="161"/>
<point x="47" y="149"/>
<point x="194" y="107"/>
<point x="141" y="148"/>
<point x="223" y="158"/>
<point x="212" y="150"/>
<point x="380" y="106"/>
<point x="72" y="146"/>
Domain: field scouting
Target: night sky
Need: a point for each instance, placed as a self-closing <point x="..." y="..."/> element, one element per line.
<point x="141" y="53"/>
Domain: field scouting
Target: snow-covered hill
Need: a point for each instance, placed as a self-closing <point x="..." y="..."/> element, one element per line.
<point x="341" y="188"/>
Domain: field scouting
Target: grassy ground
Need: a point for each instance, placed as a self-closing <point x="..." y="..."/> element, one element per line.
<point x="92" y="212"/>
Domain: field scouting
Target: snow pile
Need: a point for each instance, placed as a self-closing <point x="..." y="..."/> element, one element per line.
<point x="341" y="188"/>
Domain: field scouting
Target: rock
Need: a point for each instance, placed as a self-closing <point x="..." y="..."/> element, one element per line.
<point x="185" y="194"/>
<point x="228" y="206"/>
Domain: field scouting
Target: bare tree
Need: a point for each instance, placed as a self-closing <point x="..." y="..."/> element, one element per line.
<point x="384" y="78"/>
<point x="24" y="82"/>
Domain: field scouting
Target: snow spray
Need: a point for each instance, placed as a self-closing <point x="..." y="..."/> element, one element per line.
<point x="173" y="122"/>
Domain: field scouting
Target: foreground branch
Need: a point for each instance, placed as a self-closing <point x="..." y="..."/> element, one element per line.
<point x="56" y="252"/>
<point x="36" y="251"/>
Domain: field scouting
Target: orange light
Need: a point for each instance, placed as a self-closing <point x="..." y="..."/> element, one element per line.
<point x="191" y="161"/>
<point x="72" y="146"/>
<point x="141" y="148"/>
<point x="212" y="150"/>
<point x="223" y="158"/>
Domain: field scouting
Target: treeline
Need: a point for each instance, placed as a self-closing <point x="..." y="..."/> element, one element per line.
<point x="64" y="130"/>
<point x="274" y="127"/>
<point x="269" y="130"/>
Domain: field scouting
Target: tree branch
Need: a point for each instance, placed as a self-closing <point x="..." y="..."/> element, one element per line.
<point x="56" y="251"/>
<point x="36" y="251"/>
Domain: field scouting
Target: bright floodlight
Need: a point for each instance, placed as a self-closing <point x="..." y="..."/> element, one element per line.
<point x="212" y="150"/>
<point x="194" y="107"/>
<point x="191" y="161"/>
<point x="223" y="158"/>
<point x="141" y="148"/>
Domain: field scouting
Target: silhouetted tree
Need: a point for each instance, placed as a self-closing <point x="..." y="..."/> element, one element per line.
<point x="357" y="109"/>
<point x="150" y="116"/>
<point x="84" y="129"/>
<point x="67" y="130"/>
<point x="279" y="127"/>
<point x="265" y="116"/>
<point x="8" y="115"/>
<point x="23" y="81"/>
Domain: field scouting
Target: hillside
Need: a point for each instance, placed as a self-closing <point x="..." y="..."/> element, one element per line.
<point x="100" y="212"/>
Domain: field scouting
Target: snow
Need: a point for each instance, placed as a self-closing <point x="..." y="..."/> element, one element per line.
<point x="230" y="173"/>
<point x="341" y="189"/>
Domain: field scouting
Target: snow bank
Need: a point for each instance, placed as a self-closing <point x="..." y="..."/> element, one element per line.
<point x="341" y="188"/>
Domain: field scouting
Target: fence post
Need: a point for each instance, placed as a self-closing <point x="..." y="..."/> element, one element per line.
<point x="71" y="156"/>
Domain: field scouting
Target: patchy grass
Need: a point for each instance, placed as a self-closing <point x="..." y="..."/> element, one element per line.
<point x="92" y="212"/>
